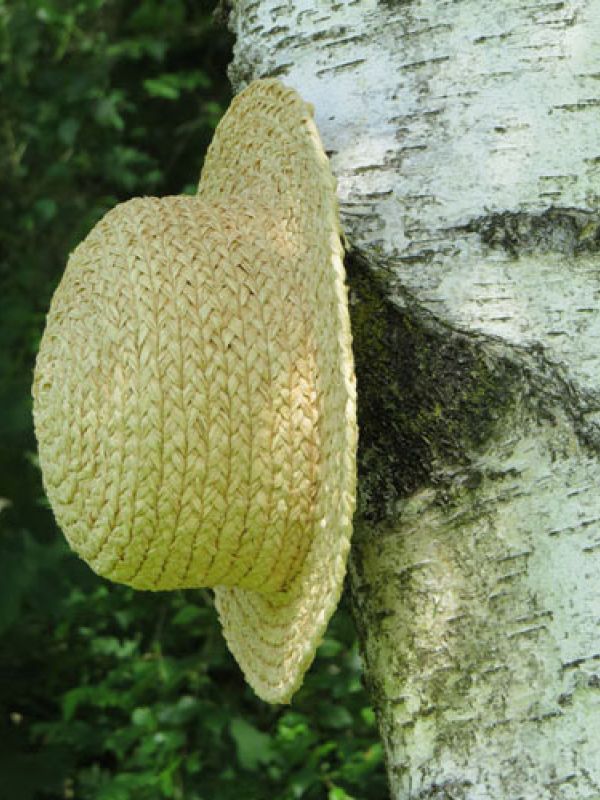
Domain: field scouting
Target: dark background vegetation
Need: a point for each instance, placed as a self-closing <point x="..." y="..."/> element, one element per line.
<point x="106" y="693"/>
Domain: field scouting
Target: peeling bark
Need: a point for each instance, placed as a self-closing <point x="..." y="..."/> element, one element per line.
<point x="465" y="135"/>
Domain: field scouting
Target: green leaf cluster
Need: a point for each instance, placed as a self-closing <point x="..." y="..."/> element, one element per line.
<point x="111" y="694"/>
<point x="106" y="693"/>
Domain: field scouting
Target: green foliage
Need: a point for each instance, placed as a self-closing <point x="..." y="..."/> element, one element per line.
<point x="119" y="695"/>
<point x="106" y="693"/>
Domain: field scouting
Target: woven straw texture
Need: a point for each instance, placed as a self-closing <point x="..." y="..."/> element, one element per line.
<point x="194" y="397"/>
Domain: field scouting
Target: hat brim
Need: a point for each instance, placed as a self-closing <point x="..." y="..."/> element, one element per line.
<point x="267" y="149"/>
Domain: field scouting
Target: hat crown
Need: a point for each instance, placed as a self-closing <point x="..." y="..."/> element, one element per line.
<point x="176" y="398"/>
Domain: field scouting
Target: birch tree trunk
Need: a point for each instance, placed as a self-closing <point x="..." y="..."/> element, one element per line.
<point x="465" y="136"/>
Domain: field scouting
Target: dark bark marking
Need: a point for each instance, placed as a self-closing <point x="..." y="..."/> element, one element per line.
<point x="571" y="231"/>
<point x="347" y="65"/>
<point x="425" y="394"/>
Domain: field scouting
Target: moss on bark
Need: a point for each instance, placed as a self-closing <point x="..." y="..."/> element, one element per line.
<point x="426" y="394"/>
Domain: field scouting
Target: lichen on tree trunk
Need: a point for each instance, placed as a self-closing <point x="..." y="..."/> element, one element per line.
<point x="466" y="142"/>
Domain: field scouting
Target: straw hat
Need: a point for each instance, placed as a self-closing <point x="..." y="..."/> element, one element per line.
<point x="194" y="394"/>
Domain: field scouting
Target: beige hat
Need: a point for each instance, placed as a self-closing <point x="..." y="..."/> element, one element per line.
<point x="194" y="393"/>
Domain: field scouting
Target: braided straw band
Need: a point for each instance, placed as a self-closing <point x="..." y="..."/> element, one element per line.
<point x="194" y="395"/>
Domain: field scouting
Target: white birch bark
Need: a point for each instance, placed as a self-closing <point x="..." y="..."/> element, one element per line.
<point x="465" y="135"/>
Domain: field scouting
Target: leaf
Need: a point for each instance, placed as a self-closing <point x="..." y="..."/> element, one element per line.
<point x="329" y="648"/>
<point x="46" y="208"/>
<point x="94" y="696"/>
<point x="181" y="712"/>
<point x="71" y="701"/>
<point x="161" y="87"/>
<point x="368" y="716"/>
<point x="187" y="614"/>
<point x="67" y="131"/>
<point x="337" y="793"/>
<point x="107" y="112"/>
<point x="253" y="747"/>
<point x="336" y="717"/>
<point x="170" y="85"/>
<point x="359" y="765"/>
<point x="143" y="718"/>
